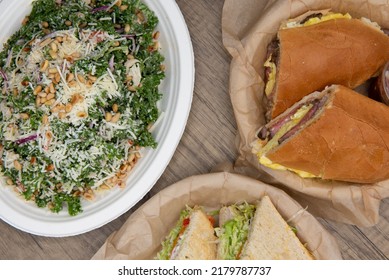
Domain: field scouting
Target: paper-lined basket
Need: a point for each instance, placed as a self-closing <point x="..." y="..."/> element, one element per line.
<point x="141" y="235"/>
<point x="248" y="27"/>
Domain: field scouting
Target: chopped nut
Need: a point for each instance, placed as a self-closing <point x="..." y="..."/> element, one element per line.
<point x="156" y="35"/>
<point x="45" y="24"/>
<point x="140" y="16"/>
<point x="53" y="54"/>
<point x="25" y="20"/>
<point x="54" y="46"/>
<point x="50" y="96"/>
<point x="81" y="78"/>
<point x="70" y="77"/>
<point x="131" y="158"/>
<point x="50" y="102"/>
<point x="52" y="88"/>
<point x="76" y="55"/>
<point x="53" y="70"/>
<point x="72" y="83"/>
<point x="33" y="160"/>
<point x="56" y="109"/>
<point x="45" y="119"/>
<point x="92" y="78"/>
<point x="88" y="196"/>
<point x="44" y="66"/>
<point x="105" y="187"/>
<point x="61" y="115"/>
<point x="123" y="7"/>
<point x="123" y="167"/>
<point x="115" y="118"/>
<point x="108" y="116"/>
<point x="42" y="94"/>
<point x="37" y="90"/>
<point x="50" y="167"/>
<point x="45" y="42"/>
<point x="127" y="28"/>
<point x="68" y="107"/>
<point x="76" y="98"/>
<point x="81" y="114"/>
<point x="57" y="78"/>
<point x="115" y="108"/>
<point x="68" y="23"/>
<point x="17" y="165"/>
<point x="46" y="31"/>
<point x="131" y="88"/>
<point x="24" y="116"/>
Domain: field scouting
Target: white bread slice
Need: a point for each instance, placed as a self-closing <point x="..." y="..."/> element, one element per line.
<point x="199" y="240"/>
<point x="271" y="238"/>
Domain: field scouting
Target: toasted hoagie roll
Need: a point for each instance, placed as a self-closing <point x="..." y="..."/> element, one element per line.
<point x="319" y="50"/>
<point x="335" y="134"/>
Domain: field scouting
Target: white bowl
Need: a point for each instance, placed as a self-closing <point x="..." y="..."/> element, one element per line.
<point x="177" y="88"/>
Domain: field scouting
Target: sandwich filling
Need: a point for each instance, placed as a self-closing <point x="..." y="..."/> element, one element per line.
<point x="174" y="239"/>
<point x="233" y="233"/>
<point x="273" y="51"/>
<point x="283" y="128"/>
<point x="315" y="19"/>
<point x="173" y="242"/>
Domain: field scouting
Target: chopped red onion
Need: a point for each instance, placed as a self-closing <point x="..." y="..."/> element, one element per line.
<point x="26" y="139"/>
<point x="102" y="8"/>
<point x="3" y="75"/>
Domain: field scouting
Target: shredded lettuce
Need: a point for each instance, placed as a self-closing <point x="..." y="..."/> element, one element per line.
<point x="168" y="243"/>
<point x="233" y="233"/>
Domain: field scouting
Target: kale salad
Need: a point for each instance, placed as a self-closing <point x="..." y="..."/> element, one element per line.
<point x="78" y="95"/>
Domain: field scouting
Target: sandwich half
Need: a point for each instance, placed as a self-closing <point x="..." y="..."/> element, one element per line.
<point x="192" y="238"/>
<point x="262" y="234"/>
<point x="335" y="134"/>
<point x="321" y="49"/>
<point x="234" y="227"/>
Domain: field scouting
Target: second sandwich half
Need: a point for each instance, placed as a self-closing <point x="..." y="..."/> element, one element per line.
<point x="335" y="134"/>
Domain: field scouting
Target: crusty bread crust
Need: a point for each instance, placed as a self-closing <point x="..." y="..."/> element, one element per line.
<point x="270" y="237"/>
<point x="340" y="51"/>
<point x="348" y="141"/>
<point x="199" y="242"/>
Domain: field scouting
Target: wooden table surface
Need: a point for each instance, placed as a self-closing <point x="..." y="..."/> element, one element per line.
<point x="198" y="152"/>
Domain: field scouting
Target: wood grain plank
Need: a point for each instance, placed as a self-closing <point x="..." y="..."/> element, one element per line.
<point x="365" y="243"/>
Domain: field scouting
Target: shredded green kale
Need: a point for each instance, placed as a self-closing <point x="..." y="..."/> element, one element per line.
<point x="57" y="157"/>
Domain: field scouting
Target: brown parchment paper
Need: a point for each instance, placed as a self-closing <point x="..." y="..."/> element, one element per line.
<point x="248" y="26"/>
<point x="141" y="235"/>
